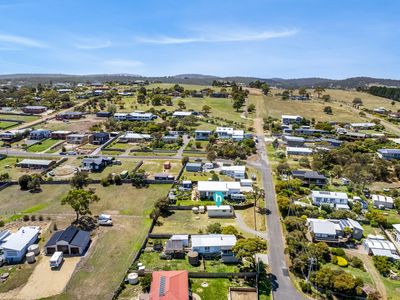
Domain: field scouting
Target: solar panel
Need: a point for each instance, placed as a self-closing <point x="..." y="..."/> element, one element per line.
<point x="162" y="286"/>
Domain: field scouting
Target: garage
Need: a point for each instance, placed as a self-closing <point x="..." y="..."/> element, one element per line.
<point x="71" y="241"/>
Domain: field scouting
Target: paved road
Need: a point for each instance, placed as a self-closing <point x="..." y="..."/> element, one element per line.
<point x="282" y="285"/>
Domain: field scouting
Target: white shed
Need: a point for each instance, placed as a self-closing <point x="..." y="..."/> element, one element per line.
<point x="222" y="211"/>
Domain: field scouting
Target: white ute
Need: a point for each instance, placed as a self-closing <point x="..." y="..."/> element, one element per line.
<point x="105" y="220"/>
<point x="56" y="259"/>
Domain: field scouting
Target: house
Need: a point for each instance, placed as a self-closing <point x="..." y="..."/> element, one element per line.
<point x="71" y="241"/>
<point x="238" y="135"/>
<point x="303" y="151"/>
<point x="14" y="135"/>
<point x="230" y="189"/>
<point x="332" y="142"/>
<point x="224" y="132"/>
<point x="131" y="137"/>
<point x="140" y="116"/>
<point x="79" y="138"/>
<point x="361" y="126"/>
<point x="35" y="163"/>
<point x="364" y="204"/>
<point x="169" y="285"/>
<point x="39" y="134"/>
<point x="309" y="131"/>
<point x="182" y="114"/>
<point x="16" y="246"/>
<point x="377" y="245"/>
<point x="170" y="139"/>
<point x="214" y="245"/>
<point x="394" y="116"/>
<point x="34" y="109"/>
<point x="332" y="230"/>
<point x="396" y="228"/>
<point x="236" y="172"/>
<point x="96" y="164"/>
<point x="186" y="185"/>
<point x="389" y="153"/>
<point x="381" y="201"/>
<point x="120" y="116"/>
<point x="163" y="176"/>
<point x="99" y="138"/>
<point x="60" y="134"/>
<point x="293" y="141"/>
<point x="310" y="177"/>
<point x="222" y="211"/>
<point x="219" y="95"/>
<point x="331" y="198"/>
<point x="97" y="92"/>
<point x="202" y="135"/>
<point x="69" y="115"/>
<point x="289" y="119"/>
<point x="64" y="91"/>
<point x="197" y="95"/>
<point x="193" y="167"/>
<point x="104" y="114"/>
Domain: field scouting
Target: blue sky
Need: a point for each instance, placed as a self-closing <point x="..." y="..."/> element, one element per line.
<point x="270" y="38"/>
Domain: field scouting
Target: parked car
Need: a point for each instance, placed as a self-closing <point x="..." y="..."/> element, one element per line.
<point x="104" y="220"/>
<point x="56" y="259"/>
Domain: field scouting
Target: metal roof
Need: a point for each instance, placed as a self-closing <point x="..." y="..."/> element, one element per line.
<point x="18" y="240"/>
<point x="210" y="240"/>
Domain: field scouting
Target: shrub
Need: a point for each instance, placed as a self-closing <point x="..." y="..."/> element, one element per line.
<point x="338" y="252"/>
<point x="33" y="218"/>
<point x="357" y="263"/>
<point x="25" y="218"/>
<point x="305" y="286"/>
<point x="342" y="262"/>
<point x="1" y="223"/>
<point x="105" y="182"/>
<point x="41" y="218"/>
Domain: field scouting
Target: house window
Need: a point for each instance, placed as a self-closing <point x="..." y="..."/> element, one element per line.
<point x="206" y="249"/>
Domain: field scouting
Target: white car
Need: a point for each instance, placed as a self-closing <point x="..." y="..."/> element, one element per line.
<point x="104" y="220"/>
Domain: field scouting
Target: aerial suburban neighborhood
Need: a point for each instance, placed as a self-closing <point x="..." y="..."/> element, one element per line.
<point x="265" y="180"/>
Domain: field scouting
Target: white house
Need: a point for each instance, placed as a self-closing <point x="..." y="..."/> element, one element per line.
<point x="381" y="201"/>
<point x="332" y="198"/>
<point x="332" y="230"/>
<point x="16" y="246"/>
<point x="228" y="189"/>
<point x="290" y="119"/>
<point x="182" y="114"/>
<point x="236" y="172"/>
<point x="121" y="116"/>
<point x="222" y="211"/>
<point x="140" y="116"/>
<point x="303" y="151"/>
<point x="359" y="126"/>
<point x="377" y="245"/>
<point x="224" y="132"/>
<point x="397" y="232"/>
<point x="211" y="245"/>
<point x="132" y="137"/>
<point x="181" y="237"/>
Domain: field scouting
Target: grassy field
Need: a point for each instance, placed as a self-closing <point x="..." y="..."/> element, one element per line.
<point x="127" y="164"/>
<point x="7" y="124"/>
<point x="276" y="107"/>
<point x="369" y="101"/>
<point x="156" y="166"/>
<point x="186" y="222"/>
<point x="392" y="288"/>
<point x="43" y="145"/>
<point x="216" y="289"/>
<point x="197" y="176"/>
<point x="19" y="117"/>
<point x="152" y="261"/>
<point x="364" y="275"/>
<point x="7" y="165"/>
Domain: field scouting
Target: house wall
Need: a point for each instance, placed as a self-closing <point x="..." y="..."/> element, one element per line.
<point x="220" y="213"/>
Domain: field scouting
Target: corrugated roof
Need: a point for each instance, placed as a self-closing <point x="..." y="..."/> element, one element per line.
<point x="18" y="241"/>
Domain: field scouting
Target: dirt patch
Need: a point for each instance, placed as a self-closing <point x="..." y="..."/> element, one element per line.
<point x="45" y="282"/>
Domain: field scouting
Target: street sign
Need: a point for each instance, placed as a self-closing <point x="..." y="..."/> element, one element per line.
<point x="218" y="198"/>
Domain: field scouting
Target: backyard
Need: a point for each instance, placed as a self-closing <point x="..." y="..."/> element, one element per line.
<point x="42" y="145"/>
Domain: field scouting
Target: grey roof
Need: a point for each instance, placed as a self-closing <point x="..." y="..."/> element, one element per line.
<point x="323" y="228"/>
<point x="81" y="238"/>
<point x="54" y="238"/>
<point x="191" y="164"/>
<point x="308" y="174"/>
<point x="71" y="235"/>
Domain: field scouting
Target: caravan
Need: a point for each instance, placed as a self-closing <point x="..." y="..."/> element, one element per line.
<point x="56" y="259"/>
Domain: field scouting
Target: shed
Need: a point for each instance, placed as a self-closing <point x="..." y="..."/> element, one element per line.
<point x="222" y="211"/>
<point x="193" y="167"/>
<point x="71" y="241"/>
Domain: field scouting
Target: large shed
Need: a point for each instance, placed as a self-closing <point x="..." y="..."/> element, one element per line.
<point x="71" y="241"/>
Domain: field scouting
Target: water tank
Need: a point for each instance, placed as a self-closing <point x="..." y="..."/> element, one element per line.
<point x="201" y="209"/>
<point x="193" y="258"/>
<point x="133" y="278"/>
<point x="141" y="270"/>
<point x="34" y="248"/>
<point x="30" y="257"/>
<point x="195" y="210"/>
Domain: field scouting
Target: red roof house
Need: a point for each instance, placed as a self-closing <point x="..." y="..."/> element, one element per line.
<point x="169" y="285"/>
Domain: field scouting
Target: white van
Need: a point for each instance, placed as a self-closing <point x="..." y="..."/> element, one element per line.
<point x="105" y="220"/>
<point x="56" y="259"/>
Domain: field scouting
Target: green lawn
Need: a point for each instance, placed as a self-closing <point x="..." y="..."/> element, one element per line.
<point x="216" y="289"/>
<point x="43" y="145"/>
<point x="152" y="261"/>
<point x="355" y="272"/>
<point x="127" y="164"/>
<point x="186" y="222"/>
<point x="19" y="117"/>
<point x="7" y="124"/>
<point x="203" y="176"/>
<point x="392" y="288"/>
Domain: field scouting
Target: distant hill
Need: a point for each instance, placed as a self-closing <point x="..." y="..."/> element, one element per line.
<point x="354" y="82"/>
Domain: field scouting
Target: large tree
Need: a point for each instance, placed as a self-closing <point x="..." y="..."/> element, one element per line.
<point x="247" y="248"/>
<point x="80" y="201"/>
<point x="319" y="90"/>
<point x="79" y="180"/>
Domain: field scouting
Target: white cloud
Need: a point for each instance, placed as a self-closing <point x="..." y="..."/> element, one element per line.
<point x="219" y="37"/>
<point x="90" y="44"/>
<point x="21" y="41"/>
